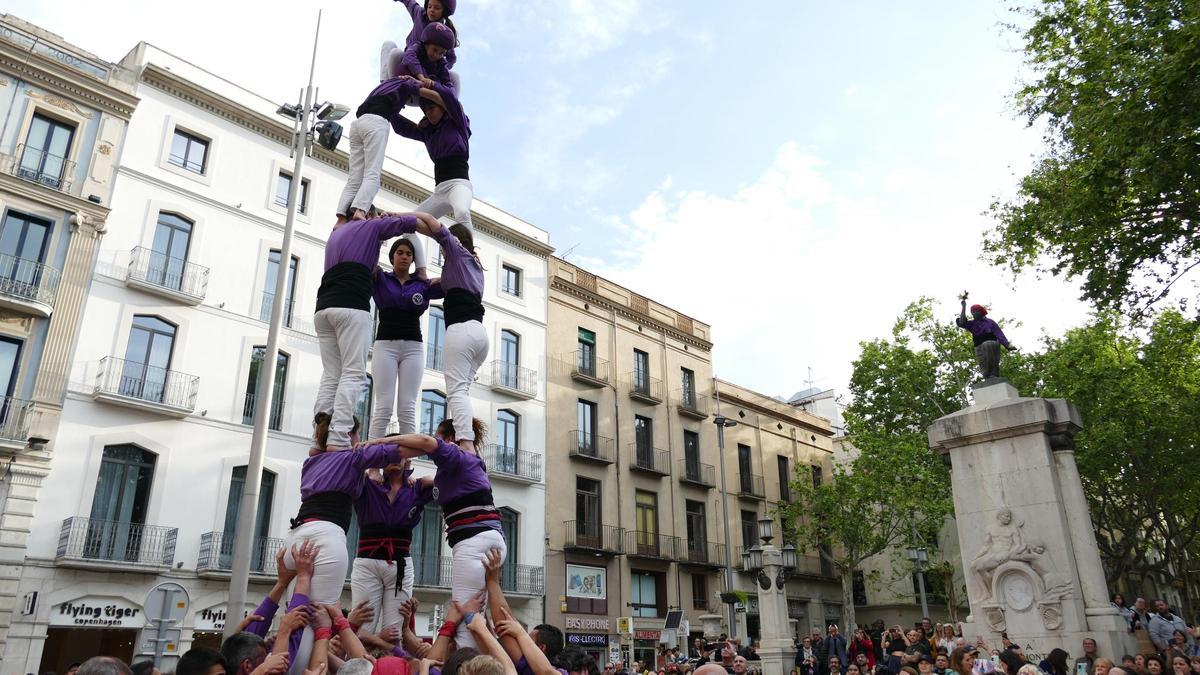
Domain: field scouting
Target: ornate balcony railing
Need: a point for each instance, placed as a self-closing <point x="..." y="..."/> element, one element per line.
<point x="135" y="381"/>
<point x="523" y="579"/>
<point x="153" y="270"/>
<point x="28" y="282"/>
<point x="645" y="388"/>
<point x="587" y="368"/>
<point x="433" y="357"/>
<point x="216" y="553"/>
<point x="752" y="486"/>
<point x="593" y="537"/>
<point x="691" y="404"/>
<point x="114" y="541"/>
<point x="513" y="379"/>
<point x="431" y="571"/>
<point x="40" y="166"/>
<point x="707" y="553"/>
<point x="650" y="459"/>
<point x="511" y="462"/>
<point x="651" y="545"/>
<point x="697" y="473"/>
<point x="268" y="304"/>
<point x="15" y="416"/>
<point x="590" y="446"/>
<point x="276" y="421"/>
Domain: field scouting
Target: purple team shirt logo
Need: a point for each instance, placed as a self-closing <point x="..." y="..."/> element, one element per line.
<point x="412" y="513"/>
<point x="436" y="493"/>
<point x="417" y="298"/>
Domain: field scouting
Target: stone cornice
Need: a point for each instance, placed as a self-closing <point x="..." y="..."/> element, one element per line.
<point x="38" y="69"/>
<point x="565" y="286"/>
<point x="732" y="398"/>
<point x="280" y="132"/>
<point x="51" y="197"/>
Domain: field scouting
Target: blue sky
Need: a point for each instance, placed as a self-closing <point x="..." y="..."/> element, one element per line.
<point x="791" y="172"/>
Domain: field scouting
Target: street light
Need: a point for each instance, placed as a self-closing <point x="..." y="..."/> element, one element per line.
<point x="919" y="558"/>
<point x="766" y="561"/>
<point x="724" y="423"/>
<point x="326" y="132"/>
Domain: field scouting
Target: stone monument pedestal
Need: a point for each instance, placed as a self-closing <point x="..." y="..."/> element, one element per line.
<point x="1028" y="547"/>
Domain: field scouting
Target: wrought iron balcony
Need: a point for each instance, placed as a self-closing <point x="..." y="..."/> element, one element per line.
<point x="644" y="388"/>
<point x="39" y="166"/>
<point x="651" y="545"/>
<point x="590" y="447"/>
<point x="691" y="404"/>
<point x="512" y="379"/>
<point x="523" y="579"/>
<point x="137" y="385"/>
<point x="751" y="486"/>
<point x="650" y="460"/>
<point x="517" y="465"/>
<point x="89" y="539"/>
<point x="276" y="421"/>
<point x="268" y="305"/>
<point x="15" y="414"/>
<point x="703" y="553"/>
<point x="588" y="369"/>
<point x="174" y="278"/>
<point x="593" y="537"/>
<point x="216" y="554"/>
<point x="433" y="357"/>
<point x="431" y="571"/>
<point x="27" y="286"/>
<point x="696" y="473"/>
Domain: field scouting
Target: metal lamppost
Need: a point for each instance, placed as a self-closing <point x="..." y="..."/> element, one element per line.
<point x="920" y="558"/>
<point x="772" y="566"/>
<point x="326" y="132"/>
<point x="722" y="423"/>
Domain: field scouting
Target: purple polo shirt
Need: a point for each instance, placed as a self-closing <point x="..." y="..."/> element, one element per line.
<point x="415" y="63"/>
<point x="342" y="471"/>
<point x="459" y="473"/>
<point x="462" y="269"/>
<point x="450" y="138"/>
<point x="420" y="20"/>
<point x="267" y="610"/>
<point x="411" y="296"/>
<point x="373" y="507"/>
<point x="359" y="240"/>
<point x="390" y="97"/>
<point x="981" y="327"/>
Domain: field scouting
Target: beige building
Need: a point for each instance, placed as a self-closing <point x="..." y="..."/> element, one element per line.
<point x="771" y="444"/>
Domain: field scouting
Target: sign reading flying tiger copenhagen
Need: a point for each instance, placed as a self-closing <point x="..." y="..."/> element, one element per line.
<point x="94" y="612"/>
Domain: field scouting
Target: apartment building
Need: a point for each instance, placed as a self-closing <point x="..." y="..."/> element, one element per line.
<point x="151" y="456"/>
<point x="65" y="114"/>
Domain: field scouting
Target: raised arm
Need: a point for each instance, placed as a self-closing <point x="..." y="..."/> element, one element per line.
<point x="509" y="628"/>
<point x="444" y="97"/>
<point x="493" y="564"/>
<point x="488" y="645"/>
<point x="406" y="127"/>
<point x="412" y="59"/>
<point x="341" y="627"/>
<point x="415" y="10"/>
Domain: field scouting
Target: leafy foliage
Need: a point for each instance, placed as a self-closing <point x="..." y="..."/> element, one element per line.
<point x="1115" y="197"/>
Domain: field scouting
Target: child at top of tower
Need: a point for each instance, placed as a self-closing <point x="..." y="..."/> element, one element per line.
<point x="424" y="59"/>
<point x="433" y="11"/>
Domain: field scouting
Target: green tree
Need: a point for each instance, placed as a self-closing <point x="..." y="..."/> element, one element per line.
<point x="1115" y="197"/>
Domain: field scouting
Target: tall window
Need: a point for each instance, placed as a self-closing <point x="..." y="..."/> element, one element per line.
<point x="641" y="371"/>
<point x="283" y="187"/>
<point x="262" y="522"/>
<point x="189" y="152"/>
<point x="427" y="548"/>
<point x="436" y="339"/>
<point x="251" y="405"/>
<point x="507" y="426"/>
<point x="643" y="588"/>
<point x="586" y="435"/>
<point x="23" y="242"/>
<point x="643" y="437"/>
<point x="816" y="476"/>
<point x="647" y="521"/>
<point x="687" y="381"/>
<point x="749" y="529"/>
<point x="510" y="280"/>
<point x="510" y="358"/>
<point x="10" y="357"/>
<point x="699" y="591"/>
<point x="120" y="504"/>
<point x="147" y="358"/>
<point x="44" y="158"/>
<point x="691" y="455"/>
<point x="172" y="238"/>
<point x="509" y="523"/>
<point x="744" y="468"/>
<point x="585" y="358"/>
<point x="269" y="288"/>
<point x="433" y="410"/>
<point x="588" y="518"/>
<point x="785" y="491"/>
<point x="697" y="529"/>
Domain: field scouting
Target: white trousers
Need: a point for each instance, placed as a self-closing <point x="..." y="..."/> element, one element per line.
<point x="396" y="368"/>
<point x="368" y="144"/>
<point x="390" y="57"/>
<point x="345" y="336"/>
<point x="465" y="349"/>
<point x="467" y="574"/>
<point x="329" y="573"/>
<point x="375" y="581"/>
<point x="451" y="198"/>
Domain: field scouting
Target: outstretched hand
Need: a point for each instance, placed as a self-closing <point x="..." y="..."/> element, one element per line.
<point x="250" y="618"/>
<point x="294" y="620"/>
<point x="493" y="565"/>
<point x="305" y="557"/>
<point x="283" y="573"/>
<point x="361" y="614"/>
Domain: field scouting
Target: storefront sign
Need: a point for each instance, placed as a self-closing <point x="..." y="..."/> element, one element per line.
<point x="646" y="634"/>
<point x="591" y="639"/>
<point x="213" y="618"/>
<point x="587" y="582"/>
<point x="98" y="612"/>
<point x="581" y="623"/>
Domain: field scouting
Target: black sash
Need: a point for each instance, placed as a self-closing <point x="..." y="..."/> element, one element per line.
<point x="462" y="306"/>
<point x="335" y="507"/>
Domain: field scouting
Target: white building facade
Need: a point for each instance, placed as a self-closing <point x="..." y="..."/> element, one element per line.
<point x="150" y="457"/>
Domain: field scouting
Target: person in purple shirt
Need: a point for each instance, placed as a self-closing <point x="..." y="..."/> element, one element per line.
<point x="368" y="136"/>
<point x="987" y="336"/>
<point x="398" y="356"/>
<point x="434" y="11"/>
<point x="466" y="344"/>
<point x="446" y="132"/>
<point x="464" y="491"/>
<point x="426" y="59"/>
<point x="343" y="318"/>
<point x="383" y="569"/>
